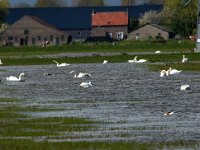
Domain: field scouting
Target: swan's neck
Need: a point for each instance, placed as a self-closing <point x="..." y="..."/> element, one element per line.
<point x="20" y="76"/>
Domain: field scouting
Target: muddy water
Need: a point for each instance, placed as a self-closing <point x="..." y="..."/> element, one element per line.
<point x="129" y="98"/>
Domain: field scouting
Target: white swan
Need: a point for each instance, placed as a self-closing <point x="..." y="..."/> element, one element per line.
<point x="169" y="113"/>
<point x="164" y="73"/>
<point x="174" y="71"/>
<point x="105" y="62"/>
<point x="1" y="62"/>
<point x="140" y="60"/>
<point x="13" y="78"/>
<point x="86" y="84"/>
<point x="61" y="65"/>
<point x="82" y="75"/>
<point x="157" y="52"/>
<point x="47" y="74"/>
<point x="133" y="60"/>
<point x="184" y="60"/>
<point x="185" y="87"/>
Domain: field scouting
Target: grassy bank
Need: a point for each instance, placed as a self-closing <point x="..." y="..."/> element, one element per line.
<point x="123" y="46"/>
<point x="152" y="58"/>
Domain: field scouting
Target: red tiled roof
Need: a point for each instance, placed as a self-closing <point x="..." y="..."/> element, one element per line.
<point x="110" y="19"/>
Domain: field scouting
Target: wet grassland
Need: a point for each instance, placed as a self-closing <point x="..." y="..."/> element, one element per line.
<point x="20" y="130"/>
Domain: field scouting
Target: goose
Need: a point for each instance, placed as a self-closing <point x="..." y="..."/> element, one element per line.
<point x="105" y="62"/>
<point x="82" y="75"/>
<point x="169" y="113"/>
<point x="174" y="71"/>
<point x="184" y="60"/>
<point x="61" y="65"/>
<point x="13" y="78"/>
<point x="185" y="87"/>
<point x="85" y="84"/>
<point x="157" y="52"/>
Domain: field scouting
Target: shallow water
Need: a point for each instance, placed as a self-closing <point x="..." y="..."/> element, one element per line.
<point x="129" y="98"/>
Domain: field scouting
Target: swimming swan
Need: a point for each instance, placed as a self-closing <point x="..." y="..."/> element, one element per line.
<point x="184" y="60"/>
<point x="86" y="84"/>
<point x="185" y="87"/>
<point x="82" y="75"/>
<point x="174" y="71"/>
<point x="164" y="73"/>
<point x="12" y="78"/>
<point x="61" y="65"/>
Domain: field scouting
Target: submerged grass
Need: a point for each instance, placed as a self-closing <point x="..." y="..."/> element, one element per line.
<point x="20" y="131"/>
<point x="30" y="145"/>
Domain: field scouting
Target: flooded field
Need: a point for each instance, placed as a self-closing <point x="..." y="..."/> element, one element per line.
<point x="129" y="99"/>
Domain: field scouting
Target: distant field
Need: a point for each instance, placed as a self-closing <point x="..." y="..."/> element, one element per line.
<point x="123" y="46"/>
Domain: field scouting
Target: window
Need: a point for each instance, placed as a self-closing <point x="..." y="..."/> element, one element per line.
<point x="62" y="37"/>
<point x="79" y="33"/>
<point x="33" y="41"/>
<point x="51" y="38"/>
<point x="16" y="39"/>
<point x="10" y="38"/>
<point x="120" y="35"/>
<point x="39" y="38"/>
<point x="26" y="32"/>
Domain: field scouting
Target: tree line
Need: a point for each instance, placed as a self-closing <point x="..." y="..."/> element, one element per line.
<point x="175" y="15"/>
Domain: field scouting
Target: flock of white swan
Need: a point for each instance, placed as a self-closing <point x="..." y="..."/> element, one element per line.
<point x="163" y="73"/>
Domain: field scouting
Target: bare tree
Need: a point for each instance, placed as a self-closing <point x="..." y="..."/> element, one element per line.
<point x="50" y="3"/>
<point x="152" y="17"/>
<point x="88" y="3"/>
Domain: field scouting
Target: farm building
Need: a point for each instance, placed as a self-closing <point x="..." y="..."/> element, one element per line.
<point x="110" y="25"/>
<point x="76" y="21"/>
<point x="150" y="31"/>
<point x="30" y="30"/>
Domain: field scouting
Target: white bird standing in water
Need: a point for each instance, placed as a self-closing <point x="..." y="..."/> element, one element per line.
<point x="140" y="60"/>
<point x="105" y="62"/>
<point x="61" y="65"/>
<point x="184" y="60"/>
<point x="86" y="84"/>
<point x="13" y="78"/>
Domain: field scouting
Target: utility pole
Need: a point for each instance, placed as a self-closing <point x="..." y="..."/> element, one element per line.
<point x="198" y="28"/>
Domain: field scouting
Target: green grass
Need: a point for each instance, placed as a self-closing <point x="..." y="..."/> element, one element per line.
<point x="123" y="46"/>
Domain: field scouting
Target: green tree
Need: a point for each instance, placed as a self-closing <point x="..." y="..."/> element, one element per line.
<point x="179" y="18"/>
<point x="132" y="24"/>
<point x="4" y="5"/>
<point x="128" y="2"/>
<point x="88" y="3"/>
<point x="50" y="3"/>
